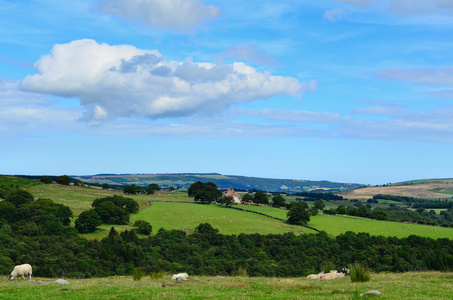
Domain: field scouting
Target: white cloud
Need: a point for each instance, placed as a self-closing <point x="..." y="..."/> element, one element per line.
<point x="183" y="15"/>
<point x="123" y="81"/>
<point x="336" y="14"/>
<point x="426" y="76"/>
<point x="28" y="113"/>
<point x="435" y="125"/>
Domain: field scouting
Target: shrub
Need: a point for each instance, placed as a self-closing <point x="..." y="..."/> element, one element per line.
<point x="137" y="274"/>
<point x="359" y="273"/>
<point x="327" y="266"/>
<point x="242" y="272"/>
<point x="157" y="275"/>
<point x="143" y="227"/>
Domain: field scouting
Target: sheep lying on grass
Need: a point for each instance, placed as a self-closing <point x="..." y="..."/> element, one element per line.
<point x="332" y="275"/>
<point x="180" y="276"/>
<point x="21" y="270"/>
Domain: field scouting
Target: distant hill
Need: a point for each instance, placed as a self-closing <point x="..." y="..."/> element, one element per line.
<point x="184" y="180"/>
<point x="421" y="188"/>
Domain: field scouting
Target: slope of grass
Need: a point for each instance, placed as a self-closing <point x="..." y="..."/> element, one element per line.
<point x="334" y="225"/>
<point x="428" y="285"/>
<point x="186" y="216"/>
<point x="20" y="182"/>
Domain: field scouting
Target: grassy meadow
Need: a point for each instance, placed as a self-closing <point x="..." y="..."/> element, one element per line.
<point x="423" y="285"/>
<point x="186" y="216"/>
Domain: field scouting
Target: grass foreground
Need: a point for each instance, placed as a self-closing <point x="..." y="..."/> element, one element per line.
<point x="420" y="285"/>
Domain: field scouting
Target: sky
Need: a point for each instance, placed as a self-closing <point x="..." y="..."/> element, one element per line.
<point x="342" y="90"/>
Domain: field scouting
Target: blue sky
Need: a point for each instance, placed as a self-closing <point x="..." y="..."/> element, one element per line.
<point x="342" y="90"/>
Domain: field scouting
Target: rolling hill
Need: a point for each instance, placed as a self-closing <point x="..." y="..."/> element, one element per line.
<point x="183" y="181"/>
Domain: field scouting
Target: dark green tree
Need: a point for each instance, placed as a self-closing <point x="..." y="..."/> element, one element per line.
<point x="88" y="221"/>
<point x="112" y="214"/>
<point x="207" y="194"/>
<point x="152" y="188"/>
<point x="194" y="188"/>
<point x="319" y="204"/>
<point x="260" y="197"/>
<point x="227" y="201"/>
<point x="143" y="227"/>
<point x="247" y="198"/>
<point x="46" y="180"/>
<point x="278" y="201"/>
<point x="132" y="189"/>
<point x="105" y="186"/>
<point x="19" y="197"/>
<point x="63" y="180"/>
<point x="298" y="214"/>
<point x="7" y="211"/>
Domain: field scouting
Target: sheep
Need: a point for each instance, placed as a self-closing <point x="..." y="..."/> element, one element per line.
<point x="332" y="275"/>
<point x="21" y="270"/>
<point x="314" y="276"/>
<point x="180" y="276"/>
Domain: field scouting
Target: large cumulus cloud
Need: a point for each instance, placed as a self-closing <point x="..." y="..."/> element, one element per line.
<point x="123" y="81"/>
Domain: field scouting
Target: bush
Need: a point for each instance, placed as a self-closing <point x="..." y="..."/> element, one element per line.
<point x="137" y="274"/>
<point x="143" y="227"/>
<point x="242" y="272"/>
<point x="359" y="273"/>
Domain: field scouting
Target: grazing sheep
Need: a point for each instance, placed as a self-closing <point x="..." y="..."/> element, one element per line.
<point x="180" y="276"/>
<point x="21" y="270"/>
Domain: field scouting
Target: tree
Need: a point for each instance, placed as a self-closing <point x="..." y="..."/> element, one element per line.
<point x="342" y="210"/>
<point x="88" y="221"/>
<point x="319" y="204"/>
<point x="227" y="201"/>
<point x="381" y="215"/>
<point x="194" y="188"/>
<point x="19" y="197"/>
<point x="143" y="227"/>
<point x="207" y="194"/>
<point x="298" y="214"/>
<point x="105" y="186"/>
<point x="112" y="214"/>
<point x="260" y="198"/>
<point x="152" y="188"/>
<point x="63" y="180"/>
<point x="132" y="189"/>
<point x="46" y="180"/>
<point x="7" y="211"/>
<point x="278" y="201"/>
<point x="247" y="198"/>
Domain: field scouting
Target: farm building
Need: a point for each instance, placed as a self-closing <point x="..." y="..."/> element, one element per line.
<point x="236" y="196"/>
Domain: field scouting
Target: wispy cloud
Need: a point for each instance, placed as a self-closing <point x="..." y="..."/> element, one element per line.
<point x="250" y="52"/>
<point x="336" y="14"/>
<point x="181" y="15"/>
<point x="426" y="76"/>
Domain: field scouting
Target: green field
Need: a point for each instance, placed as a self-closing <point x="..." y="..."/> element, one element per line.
<point x="427" y="285"/>
<point x="186" y="216"/>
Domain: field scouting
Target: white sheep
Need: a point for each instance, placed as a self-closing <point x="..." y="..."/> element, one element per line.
<point x="314" y="276"/>
<point x="21" y="270"/>
<point x="180" y="276"/>
<point x="332" y="275"/>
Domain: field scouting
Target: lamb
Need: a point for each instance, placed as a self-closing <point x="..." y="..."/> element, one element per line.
<point x="180" y="276"/>
<point x="21" y="270"/>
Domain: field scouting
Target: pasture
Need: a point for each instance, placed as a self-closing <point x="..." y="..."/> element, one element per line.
<point x="420" y="285"/>
<point x="186" y="216"/>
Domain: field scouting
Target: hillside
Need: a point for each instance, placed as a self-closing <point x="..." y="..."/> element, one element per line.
<point x="183" y="181"/>
<point x="425" y="188"/>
